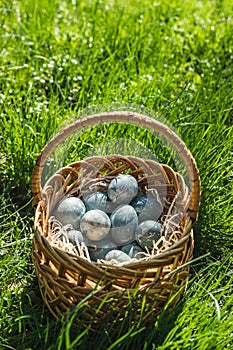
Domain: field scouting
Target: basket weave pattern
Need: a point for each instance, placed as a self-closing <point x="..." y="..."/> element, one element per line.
<point x="65" y="279"/>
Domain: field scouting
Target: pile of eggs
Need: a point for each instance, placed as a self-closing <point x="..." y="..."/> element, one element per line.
<point x="118" y="224"/>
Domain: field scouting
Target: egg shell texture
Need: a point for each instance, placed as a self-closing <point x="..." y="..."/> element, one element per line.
<point x="122" y="189"/>
<point x="147" y="232"/>
<point x="70" y="211"/>
<point x="95" y="224"/>
<point x="98" y="249"/>
<point x="147" y="208"/>
<point x="98" y="200"/>
<point x="117" y="255"/>
<point x="133" y="250"/>
<point x="124" y="222"/>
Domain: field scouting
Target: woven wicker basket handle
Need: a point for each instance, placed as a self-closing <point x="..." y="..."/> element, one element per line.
<point x="124" y="117"/>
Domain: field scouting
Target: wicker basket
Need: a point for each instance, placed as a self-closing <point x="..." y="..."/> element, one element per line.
<point x="66" y="279"/>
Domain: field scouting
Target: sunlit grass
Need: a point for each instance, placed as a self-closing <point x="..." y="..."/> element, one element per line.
<point x="171" y="57"/>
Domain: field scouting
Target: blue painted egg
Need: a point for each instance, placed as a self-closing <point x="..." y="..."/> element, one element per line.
<point x="122" y="189"/>
<point x="124" y="222"/>
<point x="95" y="224"/>
<point x="70" y="211"/>
<point x="147" y="232"/>
<point x="147" y="208"/>
<point x="98" y="200"/>
<point x="98" y="249"/>
<point x="117" y="255"/>
<point x="133" y="250"/>
<point x="75" y="237"/>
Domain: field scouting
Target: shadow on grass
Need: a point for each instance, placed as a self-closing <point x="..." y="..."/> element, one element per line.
<point x="118" y="330"/>
<point x="210" y="237"/>
<point x="35" y="327"/>
<point x="127" y="336"/>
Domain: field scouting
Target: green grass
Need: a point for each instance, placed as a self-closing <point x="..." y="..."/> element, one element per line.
<point x="173" y="58"/>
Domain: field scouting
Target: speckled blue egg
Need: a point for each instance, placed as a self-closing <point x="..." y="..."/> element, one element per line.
<point x="122" y="189"/>
<point x="98" y="249"/>
<point x="133" y="250"/>
<point x="147" y="208"/>
<point x="124" y="222"/>
<point x="70" y="211"/>
<point x="75" y="237"/>
<point x="117" y="255"/>
<point x="95" y="224"/>
<point x="98" y="200"/>
<point x="147" y="232"/>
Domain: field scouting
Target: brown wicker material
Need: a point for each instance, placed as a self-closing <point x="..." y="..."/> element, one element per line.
<point x="65" y="279"/>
